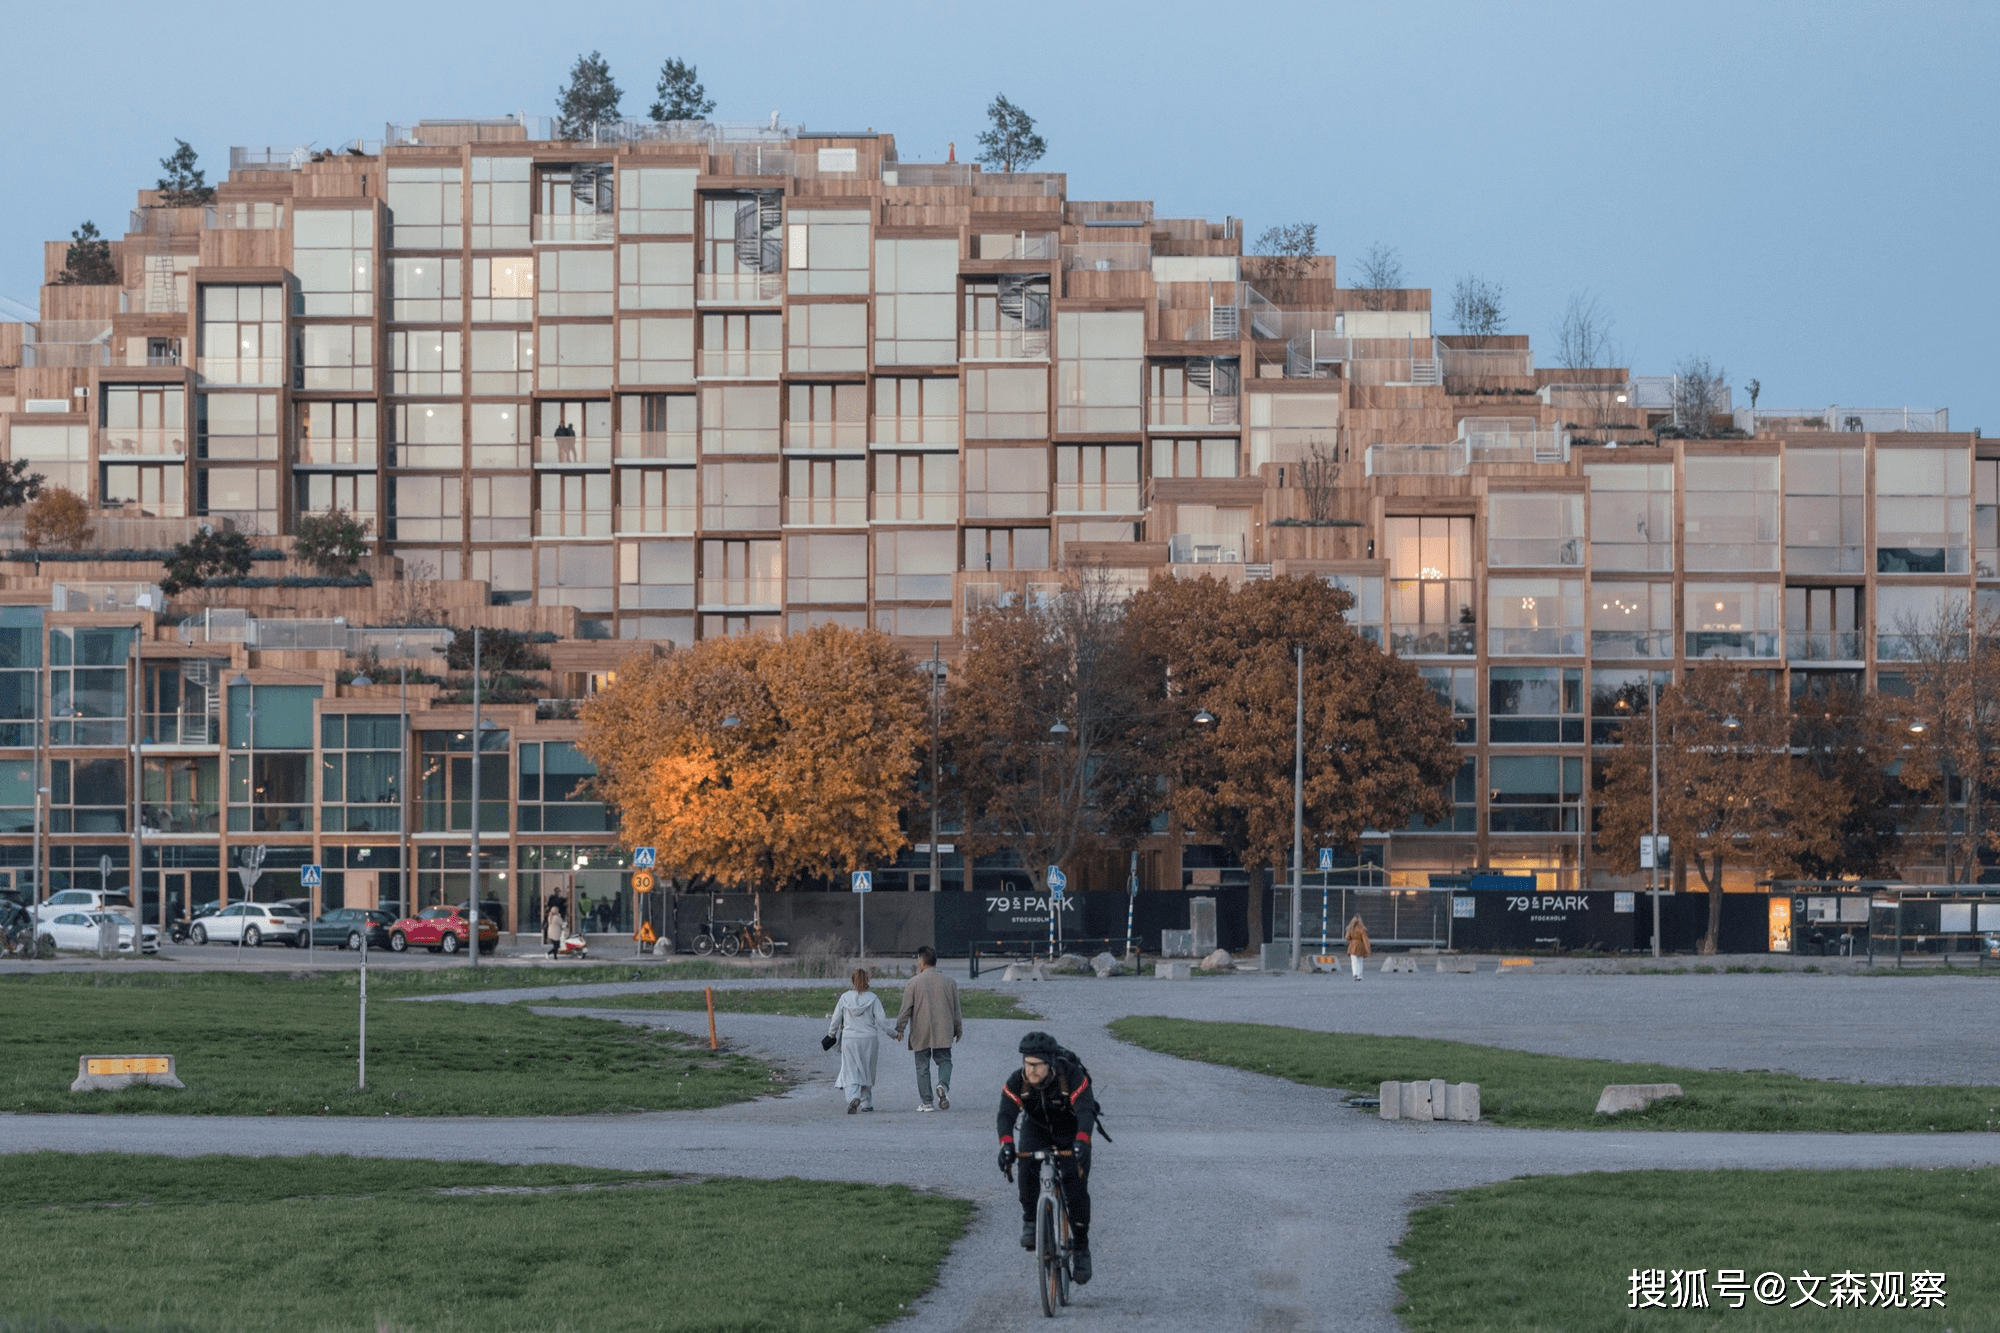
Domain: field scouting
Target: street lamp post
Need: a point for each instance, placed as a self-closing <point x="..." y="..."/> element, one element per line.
<point x="937" y="667"/>
<point x="1653" y="859"/>
<point x="472" y="919"/>
<point x="1298" y="800"/>
<point x="138" y="798"/>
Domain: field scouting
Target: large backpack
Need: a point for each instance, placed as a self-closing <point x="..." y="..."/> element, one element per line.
<point x="1065" y="1053"/>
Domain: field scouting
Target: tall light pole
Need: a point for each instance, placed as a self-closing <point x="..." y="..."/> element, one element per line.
<point x="477" y="738"/>
<point x="138" y="807"/>
<point x="402" y="781"/>
<point x="937" y="667"/>
<point x="1298" y="799"/>
<point x="1653" y="859"/>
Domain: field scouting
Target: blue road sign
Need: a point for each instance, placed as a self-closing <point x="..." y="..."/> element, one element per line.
<point x="864" y="881"/>
<point x="1057" y="882"/>
<point x="1326" y="858"/>
<point x="645" y="858"/>
<point x="309" y="877"/>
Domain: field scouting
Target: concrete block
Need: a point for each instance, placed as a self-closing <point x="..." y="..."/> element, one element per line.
<point x="1437" y="1100"/>
<point x="1030" y="971"/>
<point x="1461" y="1102"/>
<point x="1392" y="1101"/>
<point x="1618" y="1097"/>
<point x="1417" y="1101"/>
<point x="1177" y="943"/>
<point x="1397" y="962"/>
<point x="1201" y="924"/>
<point x="1169" y="970"/>
<point x="1458" y="964"/>
<point x="106" y="1073"/>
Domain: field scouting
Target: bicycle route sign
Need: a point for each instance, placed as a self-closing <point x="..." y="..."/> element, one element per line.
<point x="645" y="858"/>
<point x="1057" y="882"/>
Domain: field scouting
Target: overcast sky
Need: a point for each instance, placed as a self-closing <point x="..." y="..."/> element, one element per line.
<point x="1802" y="192"/>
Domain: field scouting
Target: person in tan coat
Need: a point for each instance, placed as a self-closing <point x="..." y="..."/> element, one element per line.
<point x="1357" y="944"/>
<point x="930" y="1013"/>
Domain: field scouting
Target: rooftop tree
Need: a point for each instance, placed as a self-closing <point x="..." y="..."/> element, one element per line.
<point x="332" y="543"/>
<point x="1010" y="143"/>
<point x="206" y="556"/>
<point x="1378" y="272"/>
<point x="58" y="520"/>
<point x="680" y="94"/>
<point x="183" y="184"/>
<point x="88" y="261"/>
<point x="589" y="97"/>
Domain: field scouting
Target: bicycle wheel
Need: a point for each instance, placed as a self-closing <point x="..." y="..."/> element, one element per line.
<point x="704" y="944"/>
<point x="1048" y="1257"/>
<point x="1062" y="1255"/>
<point x="730" y="946"/>
<point x="765" y="946"/>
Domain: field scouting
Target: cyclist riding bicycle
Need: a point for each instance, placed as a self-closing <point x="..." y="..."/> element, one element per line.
<point x="1049" y="1101"/>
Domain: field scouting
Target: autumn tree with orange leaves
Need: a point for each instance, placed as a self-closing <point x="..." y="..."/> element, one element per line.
<point x="757" y="761"/>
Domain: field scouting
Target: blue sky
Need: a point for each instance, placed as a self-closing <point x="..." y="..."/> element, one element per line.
<point x="1804" y="193"/>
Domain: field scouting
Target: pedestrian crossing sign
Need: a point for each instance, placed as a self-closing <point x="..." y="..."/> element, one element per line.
<point x="645" y="858"/>
<point x="310" y="877"/>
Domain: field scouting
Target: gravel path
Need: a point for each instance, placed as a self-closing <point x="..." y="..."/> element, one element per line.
<point x="1229" y="1200"/>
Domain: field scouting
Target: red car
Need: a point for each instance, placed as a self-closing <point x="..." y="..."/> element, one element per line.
<point x="442" y="929"/>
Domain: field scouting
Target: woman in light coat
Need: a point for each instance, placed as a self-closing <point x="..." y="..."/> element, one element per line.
<point x="859" y="1022"/>
<point x="1357" y="944"/>
<point x="553" y="926"/>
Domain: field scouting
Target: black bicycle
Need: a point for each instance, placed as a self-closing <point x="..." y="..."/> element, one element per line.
<point x="1053" y="1242"/>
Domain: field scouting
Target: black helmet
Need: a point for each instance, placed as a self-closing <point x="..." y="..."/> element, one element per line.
<point x="1040" y="1045"/>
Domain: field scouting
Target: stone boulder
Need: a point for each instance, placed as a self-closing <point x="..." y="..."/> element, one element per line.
<point x="1618" y="1097"/>
<point x="1219" y="961"/>
<point x="1106" y="964"/>
<point x="1071" y="964"/>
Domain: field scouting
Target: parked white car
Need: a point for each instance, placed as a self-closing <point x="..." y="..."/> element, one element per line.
<point x="82" y="930"/>
<point x="253" y="923"/>
<point x="86" y="900"/>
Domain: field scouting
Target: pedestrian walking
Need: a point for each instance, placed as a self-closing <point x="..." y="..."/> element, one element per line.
<point x="930" y="1013"/>
<point x="858" y="1022"/>
<point x="1357" y="944"/>
<point x="553" y="926"/>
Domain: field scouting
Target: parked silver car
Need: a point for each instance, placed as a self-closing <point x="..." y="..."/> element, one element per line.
<point x="253" y="924"/>
<point x="83" y="930"/>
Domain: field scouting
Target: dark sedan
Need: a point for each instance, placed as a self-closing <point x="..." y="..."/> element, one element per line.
<point x="343" y="927"/>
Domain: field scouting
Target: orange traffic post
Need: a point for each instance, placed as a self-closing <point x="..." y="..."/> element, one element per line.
<point x="710" y="992"/>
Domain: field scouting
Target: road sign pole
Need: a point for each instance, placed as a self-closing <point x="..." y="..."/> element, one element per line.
<point x="362" y="1084"/>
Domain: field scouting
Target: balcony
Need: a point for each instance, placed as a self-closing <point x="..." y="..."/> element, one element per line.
<point x="1194" y="412"/>
<point x="740" y="364"/>
<point x="180" y="818"/>
<point x="808" y="511"/>
<point x="656" y="446"/>
<point x="182" y="728"/>
<point x="260" y="370"/>
<point x="1878" y="420"/>
<point x="1823" y="646"/>
<point x="1107" y="257"/>
<point x="575" y="228"/>
<point x="1000" y="596"/>
<point x="268" y="158"/>
<point x="1194" y="548"/>
<point x="1017" y="245"/>
<point x="754" y="592"/>
<point x="333" y="452"/>
<point x="1006" y="345"/>
<point x="1615" y="645"/>
<point x="850" y="436"/>
<point x="738" y="288"/>
<point x="139" y="442"/>
<point x="581" y="452"/>
<point x="656" y="520"/>
<point x="1502" y="440"/>
<point x="904" y="432"/>
<point x="1454" y="640"/>
<point x="1480" y="364"/>
<point x="244" y="215"/>
<point x="1450" y="459"/>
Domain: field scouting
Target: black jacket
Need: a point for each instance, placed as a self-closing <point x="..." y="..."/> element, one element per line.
<point x="1063" y="1108"/>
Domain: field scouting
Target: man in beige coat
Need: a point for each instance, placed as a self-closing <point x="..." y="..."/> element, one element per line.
<point x="930" y="1012"/>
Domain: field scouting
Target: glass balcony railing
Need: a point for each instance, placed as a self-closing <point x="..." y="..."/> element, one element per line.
<point x="181" y="818"/>
<point x="140" y="442"/>
<point x="1455" y="640"/>
<point x="312" y="451"/>
<point x="580" y="451"/>
<point x="741" y="364"/>
<point x="656" y="520"/>
<point x="738" y="288"/>
<point x="242" y="369"/>
<point x="758" y="591"/>
<point x="1823" y="646"/>
<point x="826" y="434"/>
<point x="654" y="446"/>
<point x="915" y="432"/>
<point x="574" y="228"/>
<point x="1193" y="548"/>
<point x="1006" y="344"/>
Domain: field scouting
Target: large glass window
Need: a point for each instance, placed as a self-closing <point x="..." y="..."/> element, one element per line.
<point x="656" y="351"/>
<point x="1457" y="688"/>
<point x="1464" y="792"/>
<point x="181" y="794"/>
<point x="1732" y="619"/>
<point x="20" y="674"/>
<point x="228" y="426"/>
<point x="1986" y="517"/>
<point x="427" y="435"/>
<point x="424" y="361"/>
<point x="1525" y="528"/>
<point x="739" y="495"/>
<point x="576" y="203"/>
<point x="1201" y="391"/>
<point x="499" y="434"/>
<point x="335" y="356"/>
<point x="916" y="290"/>
<point x="1366" y="613"/>
<point x="916" y="488"/>
<point x="501" y="202"/>
<point x="1631" y="516"/>
<point x="1006" y="548"/>
<point x="426" y="207"/>
<point x="361" y="773"/>
<point x="575" y="356"/>
<point x="321" y="492"/>
<point x="915" y="565"/>
<point x="1534" y="617"/>
<point x="503" y="361"/>
<point x="1824" y="496"/>
<point x="503" y="289"/>
<point x="153" y="490"/>
<point x="271" y="758"/>
<point x="501" y="509"/>
<point x="739" y="419"/>
<point x="1099" y="370"/>
<point x="656" y="275"/>
<point x="1535" y="705"/>
<point x="425" y="509"/>
<point x="1004" y="403"/>
<point x="1535" y="793"/>
<point x="912" y="411"/>
<point x="827" y="416"/>
<point x="827" y="337"/>
<point x="656" y="499"/>
<point x="578" y="576"/>
<point x="60" y="453"/>
<point x="1823" y="624"/>
<point x="246" y="495"/>
<point x="575" y="504"/>
<point x="824" y="491"/>
<point x="1006" y="483"/>
<point x="1732" y="514"/>
<point x="1430" y="585"/>
<point x="573" y="282"/>
<point x="333" y="254"/>
<point x="656" y="576"/>
<point x="1911" y="621"/>
<point x="1618" y="697"/>
<point x="335" y="435"/>
<point x="88" y="796"/>
<point x="1007" y="317"/>
<point x="656" y="201"/>
<point x="1631" y="620"/>
<point x="826" y="252"/>
<point x="1921" y="510"/>
<point x="742" y="247"/>
<point x="1213" y="457"/>
<point x="444" y="781"/>
<point x="144" y="419"/>
<point x="556" y="793"/>
<point x="741" y="346"/>
<point x="242" y="335"/>
<point x="1286" y="427"/>
<point x="427" y="289"/>
<point x="1097" y="478"/>
<point x="742" y="573"/>
<point x="826" y="567"/>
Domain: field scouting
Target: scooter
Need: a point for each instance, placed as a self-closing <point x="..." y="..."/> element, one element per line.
<point x="573" y="946"/>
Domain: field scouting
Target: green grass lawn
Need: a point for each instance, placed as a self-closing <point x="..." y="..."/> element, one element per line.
<point x="1559" y="1092"/>
<point x="270" y="1044"/>
<point x="803" y="1002"/>
<point x="1558" y="1252"/>
<point x="115" y="1242"/>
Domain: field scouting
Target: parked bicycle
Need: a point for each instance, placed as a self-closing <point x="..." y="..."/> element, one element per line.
<point x="1053" y="1254"/>
<point x="730" y="938"/>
